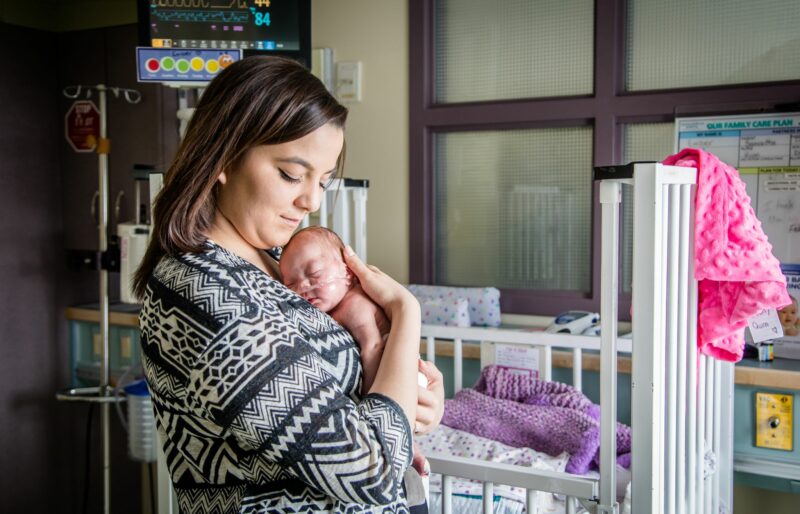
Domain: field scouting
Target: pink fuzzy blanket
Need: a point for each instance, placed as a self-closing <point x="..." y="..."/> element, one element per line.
<point x="737" y="273"/>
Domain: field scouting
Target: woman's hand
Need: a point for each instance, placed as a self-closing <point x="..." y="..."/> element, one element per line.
<point x="430" y="401"/>
<point x="390" y="295"/>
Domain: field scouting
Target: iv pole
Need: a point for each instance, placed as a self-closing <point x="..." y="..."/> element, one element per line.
<point x="102" y="393"/>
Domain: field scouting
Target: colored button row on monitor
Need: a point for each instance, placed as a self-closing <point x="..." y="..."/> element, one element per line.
<point x="196" y="64"/>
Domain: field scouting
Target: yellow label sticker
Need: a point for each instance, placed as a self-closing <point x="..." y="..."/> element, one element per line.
<point x="97" y="345"/>
<point x="125" y="347"/>
<point x="774" y="421"/>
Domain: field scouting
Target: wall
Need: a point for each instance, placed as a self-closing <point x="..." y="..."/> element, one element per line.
<point x="45" y="193"/>
<point x="29" y="234"/>
<point x="375" y="32"/>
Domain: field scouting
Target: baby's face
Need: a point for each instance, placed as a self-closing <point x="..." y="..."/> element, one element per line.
<point x="788" y="315"/>
<point x="314" y="269"/>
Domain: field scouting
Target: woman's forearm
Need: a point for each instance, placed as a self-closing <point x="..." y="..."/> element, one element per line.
<point x="397" y="373"/>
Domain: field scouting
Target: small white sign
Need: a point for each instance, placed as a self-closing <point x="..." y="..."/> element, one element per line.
<point x="348" y="81"/>
<point x="525" y="359"/>
<point x="765" y="326"/>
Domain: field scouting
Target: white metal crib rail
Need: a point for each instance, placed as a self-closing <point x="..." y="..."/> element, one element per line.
<point x="574" y="487"/>
<point x="343" y="209"/>
<point x="682" y="403"/>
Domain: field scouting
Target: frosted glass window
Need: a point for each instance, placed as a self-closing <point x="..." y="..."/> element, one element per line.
<point x="643" y="142"/>
<point x="690" y="43"/>
<point x="507" y="49"/>
<point x="513" y="208"/>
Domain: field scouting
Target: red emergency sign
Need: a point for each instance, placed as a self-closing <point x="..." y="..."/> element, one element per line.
<point x="82" y="126"/>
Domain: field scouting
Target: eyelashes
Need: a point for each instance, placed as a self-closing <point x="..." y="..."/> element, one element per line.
<point x="288" y="178"/>
<point x="328" y="183"/>
<point x="294" y="180"/>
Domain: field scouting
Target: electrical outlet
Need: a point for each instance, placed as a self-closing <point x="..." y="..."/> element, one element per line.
<point x="774" y="421"/>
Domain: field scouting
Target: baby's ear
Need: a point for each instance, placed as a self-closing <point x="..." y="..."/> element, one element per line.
<point x="351" y="277"/>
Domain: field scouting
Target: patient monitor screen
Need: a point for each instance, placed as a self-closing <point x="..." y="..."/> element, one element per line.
<point x="222" y="24"/>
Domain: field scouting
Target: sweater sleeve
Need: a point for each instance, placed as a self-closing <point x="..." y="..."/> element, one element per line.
<point x="262" y="382"/>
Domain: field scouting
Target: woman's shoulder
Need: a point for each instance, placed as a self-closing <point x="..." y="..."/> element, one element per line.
<point x="212" y="283"/>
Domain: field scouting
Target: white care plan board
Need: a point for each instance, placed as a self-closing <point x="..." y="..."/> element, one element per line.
<point x="765" y="148"/>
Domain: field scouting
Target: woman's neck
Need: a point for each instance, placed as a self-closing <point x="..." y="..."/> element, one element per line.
<point x="223" y="233"/>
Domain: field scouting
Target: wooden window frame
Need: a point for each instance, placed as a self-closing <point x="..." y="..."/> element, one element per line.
<point x="607" y="110"/>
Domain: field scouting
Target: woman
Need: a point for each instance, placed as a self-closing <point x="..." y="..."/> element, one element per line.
<point x="255" y="390"/>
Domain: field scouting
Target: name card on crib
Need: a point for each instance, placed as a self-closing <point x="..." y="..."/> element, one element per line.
<point x="765" y="326"/>
<point x="519" y="359"/>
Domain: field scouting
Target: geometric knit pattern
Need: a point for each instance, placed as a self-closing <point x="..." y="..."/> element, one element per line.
<point x="256" y="398"/>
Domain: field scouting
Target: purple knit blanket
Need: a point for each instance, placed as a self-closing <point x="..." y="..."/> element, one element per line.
<point x="550" y="417"/>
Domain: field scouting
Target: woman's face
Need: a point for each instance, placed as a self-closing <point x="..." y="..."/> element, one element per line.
<point x="275" y="186"/>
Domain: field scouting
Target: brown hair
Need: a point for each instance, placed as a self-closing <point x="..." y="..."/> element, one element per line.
<point x="255" y="101"/>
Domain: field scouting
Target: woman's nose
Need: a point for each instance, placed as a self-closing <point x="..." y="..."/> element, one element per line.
<point x="310" y="198"/>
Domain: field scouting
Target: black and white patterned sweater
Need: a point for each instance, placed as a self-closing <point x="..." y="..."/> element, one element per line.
<point x="256" y="396"/>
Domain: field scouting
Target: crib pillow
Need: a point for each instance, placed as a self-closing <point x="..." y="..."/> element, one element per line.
<point x="452" y="312"/>
<point x="484" y="302"/>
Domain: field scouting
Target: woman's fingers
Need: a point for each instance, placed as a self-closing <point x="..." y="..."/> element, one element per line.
<point x="430" y="400"/>
<point x="426" y="412"/>
<point x="431" y="372"/>
<point x="383" y="290"/>
<point x="353" y="261"/>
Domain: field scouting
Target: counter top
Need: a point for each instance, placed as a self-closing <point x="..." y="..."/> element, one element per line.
<point x="779" y="374"/>
<point x="122" y="314"/>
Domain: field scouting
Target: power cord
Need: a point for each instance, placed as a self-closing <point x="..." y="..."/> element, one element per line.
<point x="87" y="464"/>
<point x="152" y="492"/>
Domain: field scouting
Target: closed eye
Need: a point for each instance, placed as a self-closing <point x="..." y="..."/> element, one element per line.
<point x="325" y="185"/>
<point x="288" y="178"/>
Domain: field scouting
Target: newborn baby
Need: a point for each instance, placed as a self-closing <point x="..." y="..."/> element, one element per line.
<point x="312" y="266"/>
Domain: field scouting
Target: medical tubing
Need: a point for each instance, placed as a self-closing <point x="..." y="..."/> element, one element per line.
<point x="120" y="386"/>
<point x="326" y="282"/>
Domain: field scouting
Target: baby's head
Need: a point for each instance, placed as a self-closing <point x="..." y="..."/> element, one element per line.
<point x="312" y="266"/>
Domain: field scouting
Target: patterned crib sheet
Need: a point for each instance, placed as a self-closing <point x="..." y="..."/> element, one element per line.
<point x="458" y="443"/>
<point x="508" y="500"/>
